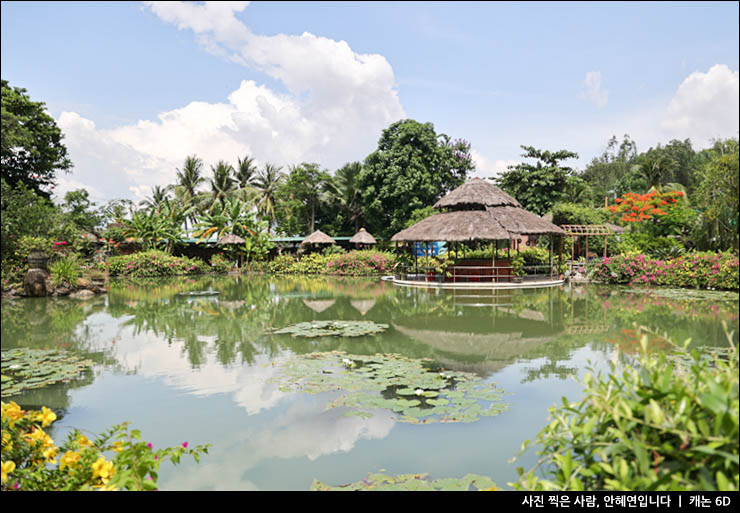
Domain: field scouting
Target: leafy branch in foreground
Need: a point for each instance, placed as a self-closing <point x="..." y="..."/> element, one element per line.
<point x="32" y="461"/>
<point x="666" y="422"/>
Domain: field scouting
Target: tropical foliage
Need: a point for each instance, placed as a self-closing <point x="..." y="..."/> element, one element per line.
<point x="32" y="461"/>
<point x="668" y="421"/>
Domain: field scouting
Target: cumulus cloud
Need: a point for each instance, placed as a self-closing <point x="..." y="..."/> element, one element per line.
<point x="335" y="104"/>
<point x="486" y="168"/>
<point x="705" y="106"/>
<point x="593" y="91"/>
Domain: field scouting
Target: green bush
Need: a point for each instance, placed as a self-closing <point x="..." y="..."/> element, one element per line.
<point x="220" y="263"/>
<point x="152" y="263"/>
<point x="65" y="270"/>
<point x="281" y="264"/>
<point x="665" y="422"/>
<point x="313" y="263"/>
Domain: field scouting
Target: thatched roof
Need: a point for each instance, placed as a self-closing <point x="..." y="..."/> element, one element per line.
<point x="481" y="211"/>
<point x="230" y="239"/>
<point x="362" y="237"/>
<point x="318" y="237"/>
<point x="319" y="305"/>
<point x="494" y="223"/>
<point x="363" y="305"/>
<point x="518" y="221"/>
<point x="476" y="193"/>
<point x="458" y="226"/>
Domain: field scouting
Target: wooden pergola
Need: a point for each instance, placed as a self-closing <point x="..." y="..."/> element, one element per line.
<point x="584" y="230"/>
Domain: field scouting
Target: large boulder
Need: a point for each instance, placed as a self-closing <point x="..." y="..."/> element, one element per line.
<point x="37" y="283"/>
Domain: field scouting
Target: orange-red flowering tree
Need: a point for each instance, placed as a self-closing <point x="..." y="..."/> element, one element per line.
<point x="655" y="217"/>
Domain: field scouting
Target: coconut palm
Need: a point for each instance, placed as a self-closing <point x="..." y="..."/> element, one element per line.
<point x="245" y="172"/>
<point x="188" y="180"/>
<point x="343" y="190"/>
<point x="154" y="202"/>
<point x="267" y="182"/>
<point x="222" y="184"/>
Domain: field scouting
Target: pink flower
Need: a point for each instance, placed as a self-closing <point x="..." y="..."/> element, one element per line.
<point x="185" y="445"/>
<point x="150" y="445"/>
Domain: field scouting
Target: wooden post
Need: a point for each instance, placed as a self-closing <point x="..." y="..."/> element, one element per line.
<point x="604" y="246"/>
<point x="573" y="254"/>
<point x="560" y="255"/>
<point x="494" y="272"/>
<point x="587" y="248"/>
<point x="549" y="246"/>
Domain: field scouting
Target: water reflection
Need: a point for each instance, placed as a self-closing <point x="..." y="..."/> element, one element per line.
<point x="211" y="360"/>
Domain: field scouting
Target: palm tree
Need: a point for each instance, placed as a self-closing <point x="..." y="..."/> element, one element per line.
<point x="222" y="184"/>
<point x="343" y="190"/>
<point x="159" y="195"/>
<point x="267" y="182"/>
<point x="188" y="180"/>
<point x="245" y="172"/>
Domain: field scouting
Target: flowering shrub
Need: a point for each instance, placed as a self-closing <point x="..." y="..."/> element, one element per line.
<point x="361" y="263"/>
<point x="314" y="263"/>
<point x="220" y="264"/>
<point x="693" y="270"/>
<point x="32" y="461"/>
<point x="281" y="264"/>
<point x="152" y="263"/>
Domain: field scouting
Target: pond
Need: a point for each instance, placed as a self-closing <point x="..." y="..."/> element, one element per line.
<point x="208" y="360"/>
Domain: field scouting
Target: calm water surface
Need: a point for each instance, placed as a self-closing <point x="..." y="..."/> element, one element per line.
<point x="199" y="369"/>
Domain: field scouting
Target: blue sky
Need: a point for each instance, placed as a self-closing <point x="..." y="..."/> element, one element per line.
<point x="138" y="86"/>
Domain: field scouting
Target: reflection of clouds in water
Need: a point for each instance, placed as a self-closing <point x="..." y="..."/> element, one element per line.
<point x="306" y="429"/>
<point x="150" y="356"/>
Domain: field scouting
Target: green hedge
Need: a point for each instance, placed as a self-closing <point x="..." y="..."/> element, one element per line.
<point x="153" y="263"/>
<point x="352" y="263"/>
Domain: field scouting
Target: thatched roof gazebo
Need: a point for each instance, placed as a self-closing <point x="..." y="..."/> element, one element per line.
<point x="478" y="211"/>
<point x="362" y="237"/>
<point x="318" y="237"/>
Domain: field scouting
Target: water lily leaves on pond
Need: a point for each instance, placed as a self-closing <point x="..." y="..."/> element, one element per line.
<point x="402" y="385"/>
<point x="412" y="482"/>
<point x="315" y="329"/>
<point x="24" y="369"/>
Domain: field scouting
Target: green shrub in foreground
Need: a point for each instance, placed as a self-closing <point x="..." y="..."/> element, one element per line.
<point x="65" y="269"/>
<point x="664" y="423"/>
<point x="153" y="263"/>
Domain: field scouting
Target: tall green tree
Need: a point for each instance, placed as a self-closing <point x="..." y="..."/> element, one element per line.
<point x="716" y="197"/>
<point x="343" y="189"/>
<point x="189" y="179"/>
<point x="412" y="168"/>
<point x="538" y="186"/>
<point x="157" y="198"/>
<point x="31" y="149"/>
<point x="80" y="210"/>
<point x="605" y="173"/>
<point x="222" y="184"/>
<point x="300" y="196"/>
<point x="267" y="182"/>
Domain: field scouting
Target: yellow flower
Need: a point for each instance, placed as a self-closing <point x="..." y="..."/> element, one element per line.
<point x="7" y="468"/>
<point x="83" y="441"/>
<point x="13" y="411"/>
<point x="69" y="459"/>
<point x="118" y="446"/>
<point x="7" y="442"/>
<point x="51" y="454"/>
<point x="46" y="416"/>
<point x="103" y="469"/>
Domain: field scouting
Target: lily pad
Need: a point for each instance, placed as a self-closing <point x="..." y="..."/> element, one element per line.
<point x="392" y="382"/>
<point x="412" y="482"/>
<point x="24" y="369"/>
<point x="315" y="329"/>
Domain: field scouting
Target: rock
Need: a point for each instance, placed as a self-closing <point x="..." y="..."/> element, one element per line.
<point x="83" y="283"/>
<point x="82" y="294"/>
<point x="36" y="283"/>
<point x="63" y="290"/>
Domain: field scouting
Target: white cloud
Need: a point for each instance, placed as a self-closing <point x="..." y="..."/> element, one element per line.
<point x="592" y="89"/>
<point x="705" y="106"/>
<point x="336" y="105"/>
<point x="485" y="168"/>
